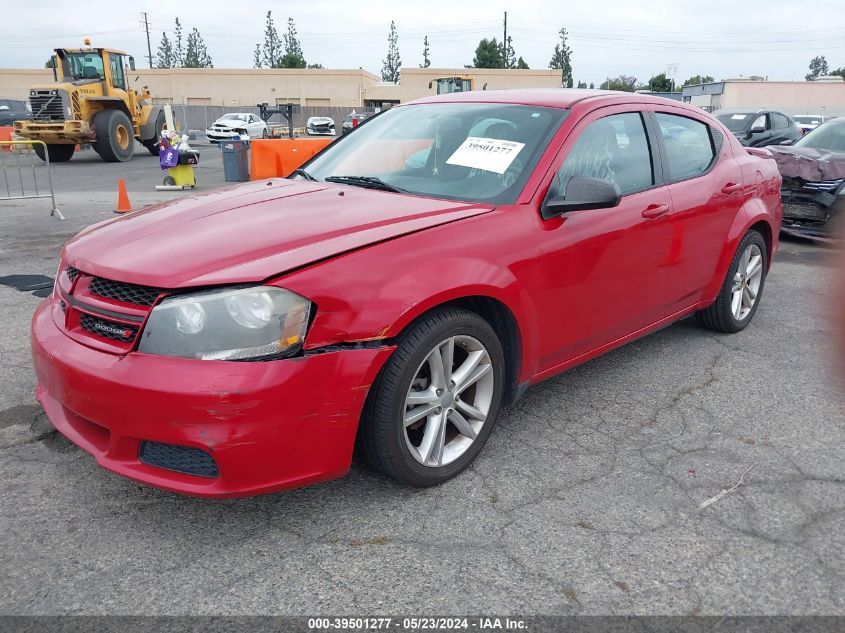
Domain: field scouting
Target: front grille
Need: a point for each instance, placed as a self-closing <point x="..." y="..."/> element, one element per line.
<point x="810" y="186"/>
<point x="108" y="329"/>
<point x="808" y="211"/>
<point x="46" y="107"/>
<point x="72" y="273"/>
<point x="127" y="293"/>
<point x="182" y="459"/>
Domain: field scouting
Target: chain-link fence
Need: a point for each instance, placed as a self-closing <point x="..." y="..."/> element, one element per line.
<point x="200" y="117"/>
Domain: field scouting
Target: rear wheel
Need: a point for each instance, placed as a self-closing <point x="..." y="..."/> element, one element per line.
<point x="435" y="401"/>
<point x="740" y="293"/>
<point x="152" y="143"/>
<point x="115" y="138"/>
<point x="57" y="153"/>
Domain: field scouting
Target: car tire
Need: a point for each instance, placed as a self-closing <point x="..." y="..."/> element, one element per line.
<point x="152" y="143"/>
<point x="427" y="450"/>
<point x="115" y="138"/>
<point x="57" y="153"/>
<point x="739" y="296"/>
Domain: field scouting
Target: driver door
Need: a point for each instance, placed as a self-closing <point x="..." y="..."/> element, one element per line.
<point x="604" y="273"/>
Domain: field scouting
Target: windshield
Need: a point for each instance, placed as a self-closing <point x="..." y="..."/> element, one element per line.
<point x="808" y="119"/>
<point x="478" y="152"/>
<point x="78" y="66"/>
<point x="736" y="121"/>
<point x="829" y="136"/>
<point x="235" y="117"/>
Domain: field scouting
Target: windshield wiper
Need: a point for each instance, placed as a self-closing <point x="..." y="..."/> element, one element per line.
<point x="367" y="182"/>
<point x="304" y="174"/>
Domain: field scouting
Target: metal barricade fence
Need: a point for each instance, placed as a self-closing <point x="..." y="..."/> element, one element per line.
<point x="17" y="174"/>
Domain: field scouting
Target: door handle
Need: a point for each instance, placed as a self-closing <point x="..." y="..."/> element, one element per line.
<point x="731" y="187"/>
<point x="655" y="210"/>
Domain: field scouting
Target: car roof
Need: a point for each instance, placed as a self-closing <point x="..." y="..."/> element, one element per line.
<point x="563" y="98"/>
<point x="748" y="111"/>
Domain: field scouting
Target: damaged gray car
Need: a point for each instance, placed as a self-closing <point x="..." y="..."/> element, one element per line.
<point x="813" y="189"/>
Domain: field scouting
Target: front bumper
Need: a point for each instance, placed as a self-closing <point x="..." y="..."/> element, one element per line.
<point x="218" y="136"/>
<point x="267" y="425"/>
<point x="67" y="131"/>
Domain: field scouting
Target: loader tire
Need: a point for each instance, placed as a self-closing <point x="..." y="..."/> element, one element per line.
<point x="57" y="153"/>
<point x="152" y="143"/>
<point x="115" y="138"/>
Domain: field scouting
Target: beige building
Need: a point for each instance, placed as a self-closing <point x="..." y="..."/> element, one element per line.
<point x="306" y="87"/>
<point x="822" y="96"/>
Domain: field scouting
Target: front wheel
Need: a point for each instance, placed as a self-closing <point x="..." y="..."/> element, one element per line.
<point x="436" y="400"/>
<point x="57" y="153"/>
<point x="115" y="139"/>
<point x="741" y="290"/>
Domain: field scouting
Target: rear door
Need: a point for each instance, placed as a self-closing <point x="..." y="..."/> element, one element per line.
<point x="601" y="274"/>
<point x="707" y="190"/>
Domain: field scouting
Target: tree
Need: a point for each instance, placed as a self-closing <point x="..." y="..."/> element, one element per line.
<point x="581" y="84"/>
<point x="50" y="63"/>
<point x="392" y="63"/>
<point x="270" y="54"/>
<point x="592" y="86"/>
<point x="256" y="57"/>
<point x="293" y="57"/>
<point x="196" y="53"/>
<point x="660" y="83"/>
<point x="315" y="66"/>
<point x="488" y="54"/>
<point x="818" y="68"/>
<point x="699" y="79"/>
<point x="178" y="50"/>
<point x="839" y="72"/>
<point x="426" y="61"/>
<point x="562" y="59"/>
<point x="625" y="83"/>
<point x="508" y="54"/>
<point x="520" y="64"/>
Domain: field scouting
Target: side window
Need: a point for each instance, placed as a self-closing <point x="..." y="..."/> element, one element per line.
<point x="614" y="148"/>
<point x="689" y="148"/>
<point x="116" y="65"/>
<point x="761" y="121"/>
<point x="779" y="121"/>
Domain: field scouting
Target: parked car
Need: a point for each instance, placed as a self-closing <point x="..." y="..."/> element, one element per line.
<point x="760" y="128"/>
<point x="12" y="110"/>
<point x="808" y="122"/>
<point x="236" y="124"/>
<point x="352" y="120"/>
<point x="238" y="342"/>
<point x="813" y="190"/>
<point x="320" y="126"/>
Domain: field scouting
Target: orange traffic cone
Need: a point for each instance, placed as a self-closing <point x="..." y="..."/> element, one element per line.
<point x="123" y="204"/>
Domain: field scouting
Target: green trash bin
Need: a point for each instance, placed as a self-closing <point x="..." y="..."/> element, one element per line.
<point x="235" y="160"/>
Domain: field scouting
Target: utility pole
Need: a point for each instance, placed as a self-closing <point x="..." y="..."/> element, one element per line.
<point x="147" y="29"/>
<point x="505" y="44"/>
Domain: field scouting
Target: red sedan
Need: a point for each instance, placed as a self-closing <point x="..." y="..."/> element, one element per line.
<point x="414" y="277"/>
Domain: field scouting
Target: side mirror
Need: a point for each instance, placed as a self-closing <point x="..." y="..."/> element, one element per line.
<point x="788" y="141"/>
<point x="582" y="193"/>
<point x="131" y="63"/>
<point x="758" y="130"/>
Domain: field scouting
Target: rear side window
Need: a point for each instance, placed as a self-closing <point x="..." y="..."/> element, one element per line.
<point x="779" y="121"/>
<point x="613" y="148"/>
<point x="689" y="147"/>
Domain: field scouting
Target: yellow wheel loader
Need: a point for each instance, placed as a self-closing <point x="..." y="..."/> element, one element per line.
<point x="92" y="102"/>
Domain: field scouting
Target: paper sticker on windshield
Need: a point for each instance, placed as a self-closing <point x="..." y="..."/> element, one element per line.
<point x="739" y="117"/>
<point x="489" y="154"/>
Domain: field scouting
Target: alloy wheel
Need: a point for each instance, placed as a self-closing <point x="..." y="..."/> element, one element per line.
<point x="448" y="401"/>
<point x="747" y="280"/>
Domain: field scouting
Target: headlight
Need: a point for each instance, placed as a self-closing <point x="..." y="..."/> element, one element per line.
<point x="231" y="324"/>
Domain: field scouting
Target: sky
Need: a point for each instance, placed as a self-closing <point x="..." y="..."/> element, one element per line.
<point x="721" y="38"/>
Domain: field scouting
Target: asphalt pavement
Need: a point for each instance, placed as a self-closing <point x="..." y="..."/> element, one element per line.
<point x="586" y="500"/>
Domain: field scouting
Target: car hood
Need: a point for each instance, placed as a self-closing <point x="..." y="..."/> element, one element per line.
<point x="807" y="163"/>
<point x="251" y="232"/>
<point x="229" y="123"/>
<point x="320" y="121"/>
